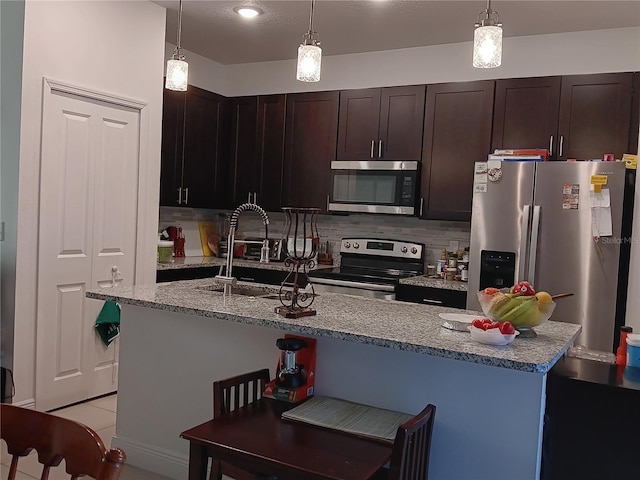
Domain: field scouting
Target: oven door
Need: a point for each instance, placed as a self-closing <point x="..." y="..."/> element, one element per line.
<point x="374" y="187"/>
<point x="349" y="287"/>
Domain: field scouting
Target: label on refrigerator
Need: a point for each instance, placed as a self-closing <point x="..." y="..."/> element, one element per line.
<point x="481" y="167"/>
<point x="570" y="196"/>
<point x="631" y="161"/>
<point x="598" y="181"/>
<point x="480" y="188"/>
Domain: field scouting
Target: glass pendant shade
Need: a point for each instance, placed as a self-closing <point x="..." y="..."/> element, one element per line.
<point x="309" y="60"/>
<point x="177" y="74"/>
<point x="487" y="47"/>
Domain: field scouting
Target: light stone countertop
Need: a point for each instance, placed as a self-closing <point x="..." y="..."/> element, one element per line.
<point x="195" y="262"/>
<point x="385" y="323"/>
<point x="424" y="281"/>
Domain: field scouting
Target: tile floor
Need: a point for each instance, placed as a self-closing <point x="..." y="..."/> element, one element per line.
<point x="99" y="414"/>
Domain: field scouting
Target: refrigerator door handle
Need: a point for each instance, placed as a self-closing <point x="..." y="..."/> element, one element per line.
<point x="535" y="228"/>
<point x="524" y="238"/>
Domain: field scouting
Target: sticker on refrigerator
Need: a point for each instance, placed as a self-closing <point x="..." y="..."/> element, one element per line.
<point x="480" y="188"/>
<point x="481" y="167"/>
<point x="570" y="196"/>
<point x="480" y="178"/>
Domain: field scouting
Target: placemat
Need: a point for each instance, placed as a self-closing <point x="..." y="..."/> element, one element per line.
<point x="362" y="420"/>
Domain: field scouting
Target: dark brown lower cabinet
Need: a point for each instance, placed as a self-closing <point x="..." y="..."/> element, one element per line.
<point x="310" y="146"/>
<point x="457" y="133"/>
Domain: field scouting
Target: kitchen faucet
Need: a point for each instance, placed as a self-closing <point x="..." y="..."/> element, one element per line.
<point x="228" y="280"/>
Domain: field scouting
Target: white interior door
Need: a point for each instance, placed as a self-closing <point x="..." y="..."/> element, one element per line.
<point x="87" y="240"/>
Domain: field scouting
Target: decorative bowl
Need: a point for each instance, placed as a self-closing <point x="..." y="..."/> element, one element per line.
<point x="523" y="312"/>
<point x="492" y="336"/>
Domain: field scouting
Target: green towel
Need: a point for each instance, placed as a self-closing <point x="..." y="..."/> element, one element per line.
<point x="108" y="322"/>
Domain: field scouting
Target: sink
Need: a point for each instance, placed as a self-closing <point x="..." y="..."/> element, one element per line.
<point x="244" y="291"/>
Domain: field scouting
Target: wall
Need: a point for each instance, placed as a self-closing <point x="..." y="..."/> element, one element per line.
<point x="113" y="47"/>
<point x="11" y="29"/>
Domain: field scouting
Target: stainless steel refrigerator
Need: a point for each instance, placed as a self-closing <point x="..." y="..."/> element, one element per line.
<point x="534" y="221"/>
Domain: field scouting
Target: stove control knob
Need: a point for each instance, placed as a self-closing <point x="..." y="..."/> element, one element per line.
<point x="356" y="245"/>
<point x="404" y="249"/>
<point x="414" y="250"/>
<point x="347" y="245"/>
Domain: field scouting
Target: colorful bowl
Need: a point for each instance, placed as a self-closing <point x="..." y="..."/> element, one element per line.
<point x="523" y="312"/>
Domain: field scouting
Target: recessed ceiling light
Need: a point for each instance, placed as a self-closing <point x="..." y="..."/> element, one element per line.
<point x="248" y="12"/>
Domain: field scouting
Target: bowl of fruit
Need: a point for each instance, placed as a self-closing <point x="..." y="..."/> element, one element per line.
<point x="520" y="305"/>
<point x="492" y="333"/>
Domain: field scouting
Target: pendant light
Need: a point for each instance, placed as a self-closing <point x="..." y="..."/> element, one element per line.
<point x="177" y="68"/>
<point x="309" y="54"/>
<point x="487" y="39"/>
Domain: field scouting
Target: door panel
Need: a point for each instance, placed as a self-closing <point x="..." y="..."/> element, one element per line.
<point x="271" y="123"/>
<point x="401" y="122"/>
<point x="567" y="259"/>
<point x="526" y="113"/>
<point x="87" y="224"/>
<point x="358" y="123"/>
<point x="497" y="221"/>
<point x="595" y="114"/>
<point x="244" y="118"/>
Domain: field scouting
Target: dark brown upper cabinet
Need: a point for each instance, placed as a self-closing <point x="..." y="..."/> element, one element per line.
<point x="381" y="123"/>
<point x="257" y="150"/>
<point x="457" y="133"/>
<point x="310" y="146"/>
<point x="576" y="116"/>
<point x="595" y="115"/>
<point x="193" y="140"/>
<point x="526" y="113"/>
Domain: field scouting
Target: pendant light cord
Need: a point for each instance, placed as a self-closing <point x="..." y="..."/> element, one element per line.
<point x="179" y="24"/>
<point x="310" y="17"/>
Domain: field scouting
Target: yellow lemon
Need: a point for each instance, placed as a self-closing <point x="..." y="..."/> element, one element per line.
<point x="544" y="297"/>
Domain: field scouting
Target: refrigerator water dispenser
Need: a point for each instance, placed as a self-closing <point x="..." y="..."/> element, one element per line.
<point x="497" y="269"/>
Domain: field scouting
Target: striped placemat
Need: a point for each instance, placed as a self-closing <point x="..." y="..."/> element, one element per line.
<point x="338" y="414"/>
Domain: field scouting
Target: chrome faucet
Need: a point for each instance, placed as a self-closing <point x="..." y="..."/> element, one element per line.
<point x="228" y="280"/>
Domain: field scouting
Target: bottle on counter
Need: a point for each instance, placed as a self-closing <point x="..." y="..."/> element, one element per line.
<point x="621" y="352"/>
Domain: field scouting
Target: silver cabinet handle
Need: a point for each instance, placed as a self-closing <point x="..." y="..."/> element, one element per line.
<point x="327" y="203"/>
<point x="179" y="195"/>
<point x="421" y="204"/>
<point x="561" y="144"/>
<point x="379" y="148"/>
<point x="186" y="195"/>
<point x="249" y="197"/>
<point x="434" y="302"/>
<point x="255" y="197"/>
<point x="551" y="146"/>
<point x="373" y="146"/>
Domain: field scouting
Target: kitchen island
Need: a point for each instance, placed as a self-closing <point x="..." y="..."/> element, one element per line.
<point x="177" y="338"/>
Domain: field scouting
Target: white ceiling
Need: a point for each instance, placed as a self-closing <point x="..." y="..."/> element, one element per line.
<point x="212" y="29"/>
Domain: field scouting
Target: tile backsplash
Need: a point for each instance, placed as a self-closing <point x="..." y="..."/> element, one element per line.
<point x="436" y="235"/>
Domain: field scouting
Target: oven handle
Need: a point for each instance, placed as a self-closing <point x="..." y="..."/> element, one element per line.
<point x="351" y="284"/>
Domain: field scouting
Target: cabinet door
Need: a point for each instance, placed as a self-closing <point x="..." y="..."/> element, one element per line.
<point x="358" y="124"/>
<point x="244" y="119"/>
<point x="595" y="115"/>
<point x="525" y="114"/>
<point x="271" y="115"/>
<point x="401" y="123"/>
<point x="171" y="150"/>
<point x="457" y="133"/>
<point x="310" y="146"/>
<point x="202" y="144"/>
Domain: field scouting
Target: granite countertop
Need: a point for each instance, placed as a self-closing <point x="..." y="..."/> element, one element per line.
<point x="386" y="323"/>
<point x="196" y="262"/>
<point x="424" y="281"/>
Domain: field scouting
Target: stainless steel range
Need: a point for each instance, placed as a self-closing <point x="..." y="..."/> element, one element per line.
<point x="371" y="267"/>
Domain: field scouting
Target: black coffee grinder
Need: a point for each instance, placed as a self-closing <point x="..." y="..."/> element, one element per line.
<point x="290" y="374"/>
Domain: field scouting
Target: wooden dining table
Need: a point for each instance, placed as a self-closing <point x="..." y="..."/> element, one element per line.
<point x="257" y="439"/>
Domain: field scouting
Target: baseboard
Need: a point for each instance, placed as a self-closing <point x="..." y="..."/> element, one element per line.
<point x="151" y="458"/>
<point x="28" y="403"/>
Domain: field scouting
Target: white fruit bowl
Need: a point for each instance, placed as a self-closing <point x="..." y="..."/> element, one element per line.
<point x="534" y="315"/>
<point x="492" y="336"/>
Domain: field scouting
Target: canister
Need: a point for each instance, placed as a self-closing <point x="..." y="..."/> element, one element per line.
<point x="165" y="250"/>
<point x="633" y="349"/>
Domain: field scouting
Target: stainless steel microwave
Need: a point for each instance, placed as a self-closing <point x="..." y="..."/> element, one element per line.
<point x="375" y="186"/>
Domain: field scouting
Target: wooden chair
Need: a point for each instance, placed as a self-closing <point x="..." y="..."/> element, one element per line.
<point x="228" y="395"/>
<point x="56" y="438"/>
<point x="410" y="455"/>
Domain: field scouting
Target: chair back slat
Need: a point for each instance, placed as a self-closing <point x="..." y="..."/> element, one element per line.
<point x="54" y="439"/>
<point x="411" y="447"/>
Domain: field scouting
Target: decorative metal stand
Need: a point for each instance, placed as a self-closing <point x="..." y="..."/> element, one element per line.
<point x="300" y="241"/>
